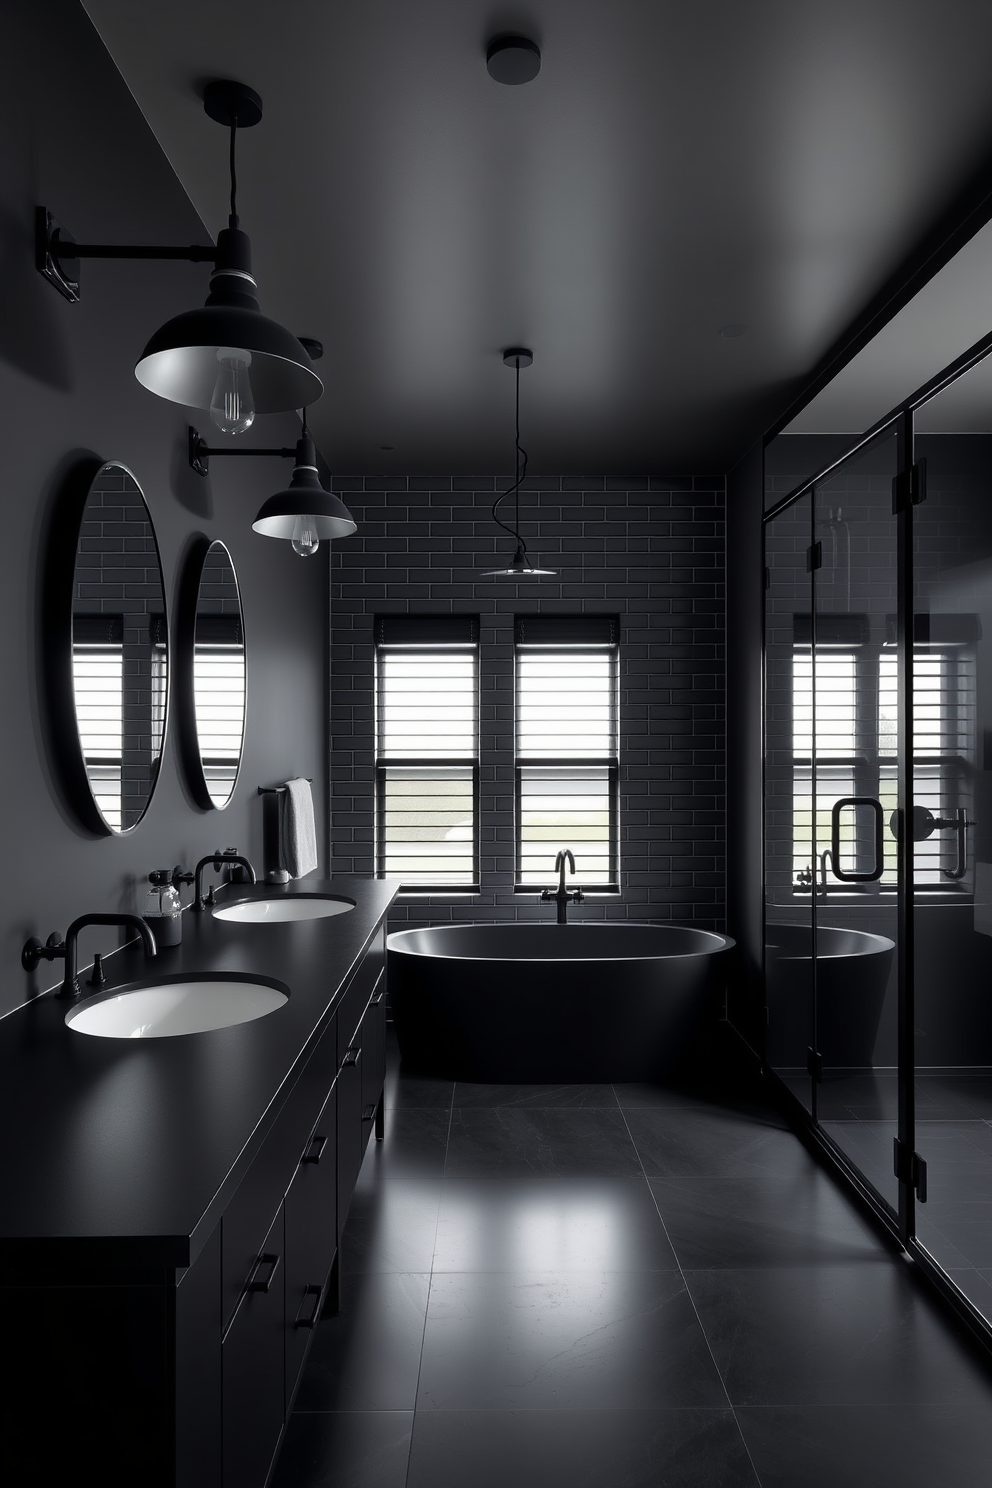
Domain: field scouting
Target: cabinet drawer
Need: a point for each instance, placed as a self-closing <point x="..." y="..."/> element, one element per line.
<point x="250" y="1211"/>
<point x="311" y="1235"/>
<point x="352" y="1130"/>
<point x="253" y="1372"/>
<point x="356" y="996"/>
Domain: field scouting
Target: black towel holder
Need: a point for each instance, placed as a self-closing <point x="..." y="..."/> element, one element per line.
<point x="275" y="790"/>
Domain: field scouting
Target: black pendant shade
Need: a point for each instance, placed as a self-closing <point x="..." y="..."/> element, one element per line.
<point x="326" y="514"/>
<point x="181" y="361"/>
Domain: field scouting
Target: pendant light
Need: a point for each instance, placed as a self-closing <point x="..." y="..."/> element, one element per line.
<point x="227" y="357"/>
<point x="520" y="566"/>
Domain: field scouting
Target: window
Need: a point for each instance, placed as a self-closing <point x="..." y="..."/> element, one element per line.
<point x="98" y="685"/>
<point x="856" y="717"/>
<point x="566" y="747"/>
<point x="427" y="751"/>
<point x="219" y="701"/>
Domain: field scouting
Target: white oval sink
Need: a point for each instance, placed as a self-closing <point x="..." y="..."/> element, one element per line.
<point x="280" y="911"/>
<point x="172" y="1008"/>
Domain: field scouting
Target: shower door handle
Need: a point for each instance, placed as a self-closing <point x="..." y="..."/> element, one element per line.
<point x="879" y="867"/>
<point x="961" y="825"/>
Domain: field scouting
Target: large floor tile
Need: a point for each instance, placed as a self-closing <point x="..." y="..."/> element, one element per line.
<point x="414" y="1144"/>
<point x="579" y="1449"/>
<point x="552" y="1340"/>
<point x="952" y="1228"/>
<point x="870" y="1446"/>
<point x="345" y="1449"/>
<point x="859" y="1333"/>
<point x="762" y="1219"/>
<point x="514" y="1142"/>
<point x="533" y="1095"/>
<point x="391" y="1226"/>
<point x="701" y="1143"/>
<point x="572" y="1224"/>
<point x="367" y="1357"/>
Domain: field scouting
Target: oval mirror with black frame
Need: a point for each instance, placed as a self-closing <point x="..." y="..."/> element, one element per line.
<point x="107" y="661"/>
<point x="211" y="648"/>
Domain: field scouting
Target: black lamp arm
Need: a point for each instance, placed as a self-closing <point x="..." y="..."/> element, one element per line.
<point x="53" y="244"/>
<point x="200" y="452"/>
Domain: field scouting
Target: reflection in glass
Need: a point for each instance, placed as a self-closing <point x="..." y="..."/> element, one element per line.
<point x="952" y="821"/>
<point x="119" y="648"/>
<point x="219" y="674"/>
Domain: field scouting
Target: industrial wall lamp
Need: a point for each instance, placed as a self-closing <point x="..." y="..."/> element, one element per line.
<point x="226" y="357"/>
<point x="304" y="513"/>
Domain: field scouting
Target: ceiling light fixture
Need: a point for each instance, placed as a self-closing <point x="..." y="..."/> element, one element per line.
<point x="513" y="60"/>
<point x="226" y="357"/>
<point x="520" y="566"/>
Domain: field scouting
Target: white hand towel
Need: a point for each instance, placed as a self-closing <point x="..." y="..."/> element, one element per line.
<point x="297" y="832"/>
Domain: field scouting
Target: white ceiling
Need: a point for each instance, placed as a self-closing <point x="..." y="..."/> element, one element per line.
<point x="677" y="166"/>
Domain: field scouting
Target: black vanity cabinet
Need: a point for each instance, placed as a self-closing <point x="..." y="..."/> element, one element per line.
<point x="183" y="1377"/>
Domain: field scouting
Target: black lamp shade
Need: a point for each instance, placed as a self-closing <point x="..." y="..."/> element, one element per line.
<point x="305" y="497"/>
<point x="180" y="361"/>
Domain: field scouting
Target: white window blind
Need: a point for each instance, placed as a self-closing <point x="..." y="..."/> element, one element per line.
<point x="98" y="684"/>
<point x="856" y="746"/>
<point x="427" y="751"/>
<point x="219" y="694"/>
<point x="566" y="747"/>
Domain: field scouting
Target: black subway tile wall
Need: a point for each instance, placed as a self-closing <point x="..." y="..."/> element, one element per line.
<point x="650" y="550"/>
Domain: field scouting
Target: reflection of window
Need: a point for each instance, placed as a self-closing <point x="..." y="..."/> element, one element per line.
<point x="98" y="684"/>
<point x="219" y="693"/>
<point x="566" y="747"/>
<point x="427" y="750"/>
<point x="856" y="749"/>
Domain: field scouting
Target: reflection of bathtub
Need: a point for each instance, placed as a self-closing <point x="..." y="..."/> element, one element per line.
<point x="852" y="973"/>
<point x="552" y="1002"/>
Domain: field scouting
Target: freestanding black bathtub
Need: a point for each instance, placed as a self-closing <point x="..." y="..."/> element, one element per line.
<point x="518" y="1003"/>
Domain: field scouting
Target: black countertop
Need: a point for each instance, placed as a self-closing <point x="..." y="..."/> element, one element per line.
<point x="128" y="1150"/>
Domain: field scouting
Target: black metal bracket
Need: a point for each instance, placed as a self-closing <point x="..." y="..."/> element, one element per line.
<point x="814" y="1064"/>
<point x="200" y="452"/>
<point x="814" y="557"/>
<point x="911" y="1168"/>
<point x="53" y="244"/>
<point x="909" y="487"/>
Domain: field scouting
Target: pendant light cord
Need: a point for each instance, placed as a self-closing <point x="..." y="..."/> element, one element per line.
<point x="234" y="176"/>
<point x="514" y="490"/>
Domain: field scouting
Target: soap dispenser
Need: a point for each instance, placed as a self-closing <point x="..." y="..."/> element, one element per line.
<point x="163" y="909"/>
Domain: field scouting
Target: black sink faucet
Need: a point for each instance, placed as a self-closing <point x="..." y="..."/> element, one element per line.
<point x="561" y="896"/>
<point x="34" y="951"/>
<point x="219" y="861"/>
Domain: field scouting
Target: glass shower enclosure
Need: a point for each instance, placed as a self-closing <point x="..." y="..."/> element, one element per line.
<point x="878" y="817"/>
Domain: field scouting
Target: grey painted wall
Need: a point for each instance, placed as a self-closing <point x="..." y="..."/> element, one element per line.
<point x="75" y="141"/>
<point x="651" y="550"/>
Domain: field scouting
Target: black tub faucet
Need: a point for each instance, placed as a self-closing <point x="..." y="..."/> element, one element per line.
<point x="34" y="951"/>
<point x="561" y="896"/>
<point x="220" y="861"/>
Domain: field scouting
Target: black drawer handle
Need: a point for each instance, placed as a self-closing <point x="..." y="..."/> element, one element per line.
<point x="378" y="998"/>
<point x="369" y="1113"/>
<point x="257" y="1283"/>
<point x="315" y="1149"/>
<point x="352" y="1056"/>
<point x="313" y="1294"/>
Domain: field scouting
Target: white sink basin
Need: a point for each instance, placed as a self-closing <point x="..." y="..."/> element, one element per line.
<point x="172" y="1008"/>
<point x="279" y="911"/>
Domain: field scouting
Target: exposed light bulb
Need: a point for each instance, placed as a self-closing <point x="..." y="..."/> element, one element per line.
<point x="305" y="540"/>
<point x="232" y="407"/>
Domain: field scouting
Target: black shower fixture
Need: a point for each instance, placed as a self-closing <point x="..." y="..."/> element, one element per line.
<point x="520" y="566"/>
<point x="513" y="60"/>
<point x="226" y="357"/>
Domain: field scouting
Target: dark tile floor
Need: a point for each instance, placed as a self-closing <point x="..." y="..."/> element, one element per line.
<point x="623" y="1287"/>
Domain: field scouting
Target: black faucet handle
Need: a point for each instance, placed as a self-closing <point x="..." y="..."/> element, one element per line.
<point x="33" y="952"/>
<point x="578" y="897"/>
<point x="97" y="977"/>
<point x="180" y="876"/>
